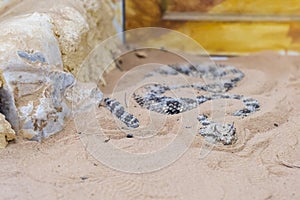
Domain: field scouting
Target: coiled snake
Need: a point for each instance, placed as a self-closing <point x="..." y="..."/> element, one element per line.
<point x="225" y="78"/>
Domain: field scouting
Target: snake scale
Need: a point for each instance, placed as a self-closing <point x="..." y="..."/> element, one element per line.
<point x="224" y="78"/>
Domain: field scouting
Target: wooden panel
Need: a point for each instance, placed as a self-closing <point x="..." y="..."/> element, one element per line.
<point x="260" y="7"/>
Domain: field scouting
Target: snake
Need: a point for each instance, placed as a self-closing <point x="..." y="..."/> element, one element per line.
<point x="222" y="79"/>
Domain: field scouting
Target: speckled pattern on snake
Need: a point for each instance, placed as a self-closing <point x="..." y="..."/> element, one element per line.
<point x="225" y="78"/>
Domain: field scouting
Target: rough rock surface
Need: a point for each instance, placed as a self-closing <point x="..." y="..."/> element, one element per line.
<point x="39" y="42"/>
<point x="6" y="132"/>
<point x="78" y="25"/>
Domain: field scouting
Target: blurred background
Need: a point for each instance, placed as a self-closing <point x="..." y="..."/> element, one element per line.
<point x="223" y="27"/>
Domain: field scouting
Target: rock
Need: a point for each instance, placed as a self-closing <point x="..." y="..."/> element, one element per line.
<point x="6" y="132"/>
<point x="80" y="29"/>
<point x="32" y="71"/>
<point x="78" y="25"/>
<point x="46" y="115"/>
<point x="141" y="54"/>
<point x="37" y="47"/>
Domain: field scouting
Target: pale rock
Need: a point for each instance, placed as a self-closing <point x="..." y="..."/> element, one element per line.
<point x="36" y="45"/>
<point x="6" y="132"/>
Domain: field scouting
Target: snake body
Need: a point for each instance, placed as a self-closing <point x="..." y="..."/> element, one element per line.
<point x="154" y="99"/>
<point x="119" y="111"/>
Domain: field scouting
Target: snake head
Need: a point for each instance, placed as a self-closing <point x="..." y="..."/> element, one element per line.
<point x="218" y="132"/>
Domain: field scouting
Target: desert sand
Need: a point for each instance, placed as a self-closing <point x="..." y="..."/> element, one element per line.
<point x="264" y="163"/>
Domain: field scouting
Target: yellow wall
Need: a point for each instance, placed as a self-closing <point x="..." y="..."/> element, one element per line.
<point x="224" y="37"/>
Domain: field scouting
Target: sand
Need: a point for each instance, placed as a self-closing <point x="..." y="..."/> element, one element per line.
<point x="264" y="163"/>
